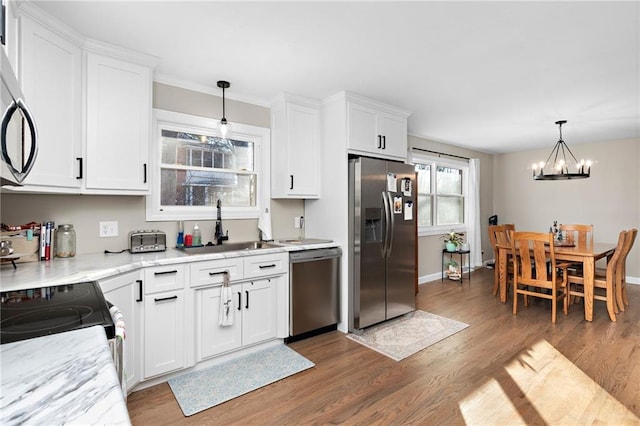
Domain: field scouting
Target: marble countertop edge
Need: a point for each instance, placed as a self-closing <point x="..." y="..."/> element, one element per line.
<point x="97" y="266"/>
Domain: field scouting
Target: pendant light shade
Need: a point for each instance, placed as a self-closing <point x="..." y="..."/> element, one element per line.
<point x="560" y="169"/>
<point x="224" y="128"/>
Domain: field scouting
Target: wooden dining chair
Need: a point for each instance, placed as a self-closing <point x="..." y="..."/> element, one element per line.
<point x="531" y="276"/>
<point x="621" y="272"/>
<point x="604" y="283"/>
<point x="499" y="235"/>
<point x="577" y="234"/>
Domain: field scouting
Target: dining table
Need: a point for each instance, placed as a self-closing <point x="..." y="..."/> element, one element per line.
<point x="587" y="254"/>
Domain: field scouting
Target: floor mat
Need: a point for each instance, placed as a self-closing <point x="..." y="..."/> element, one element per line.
<point x="202" y="389"/>
<point x="408" y="334"/>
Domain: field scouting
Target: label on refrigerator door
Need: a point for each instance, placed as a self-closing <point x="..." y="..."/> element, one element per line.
<point x="406" y="187"/>
<point x="397" y="205"/>
<point x="408" y="210"/>
<point x="392" y="182"/>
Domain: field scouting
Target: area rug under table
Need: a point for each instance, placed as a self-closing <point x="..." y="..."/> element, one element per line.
<point x="202" y="389"/>
<point x="408" y="334"/>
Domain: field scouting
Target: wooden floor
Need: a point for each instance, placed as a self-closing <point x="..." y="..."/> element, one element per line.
<point x="351" y="384"/>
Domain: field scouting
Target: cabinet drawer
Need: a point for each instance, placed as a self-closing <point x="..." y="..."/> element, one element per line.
<point x="267" y="264"/>
<point x="211" y="272"/>
<point x="163" y="278"/>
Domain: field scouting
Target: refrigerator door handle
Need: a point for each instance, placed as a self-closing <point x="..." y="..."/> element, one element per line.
<point x="392" y="222"/>
<point x="385" y="242"/>
<point x="388" y="224"/>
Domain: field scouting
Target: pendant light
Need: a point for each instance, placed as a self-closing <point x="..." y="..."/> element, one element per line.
<point x="559" y="169"/>
<point x="224" y="128"/>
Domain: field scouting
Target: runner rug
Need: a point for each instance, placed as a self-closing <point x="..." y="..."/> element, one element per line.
<point x="408" y="334"/>
<point x="202" y="389"/>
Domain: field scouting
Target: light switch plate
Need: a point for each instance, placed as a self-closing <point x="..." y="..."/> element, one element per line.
<point x="108" y="229"/>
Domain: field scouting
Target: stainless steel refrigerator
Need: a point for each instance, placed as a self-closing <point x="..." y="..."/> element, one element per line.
<point x="382" y="241"/>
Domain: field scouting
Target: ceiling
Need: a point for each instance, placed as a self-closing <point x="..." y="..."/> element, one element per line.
<point x="490" y="76"/>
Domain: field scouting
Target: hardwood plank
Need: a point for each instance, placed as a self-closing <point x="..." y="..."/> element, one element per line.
<point x="354" y="385"/>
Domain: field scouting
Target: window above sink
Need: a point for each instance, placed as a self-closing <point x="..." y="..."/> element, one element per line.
<point x="192" y="168"/>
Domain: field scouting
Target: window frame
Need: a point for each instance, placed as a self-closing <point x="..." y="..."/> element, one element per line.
<point x="434" y="162"/>
<point x="260" y="136"/>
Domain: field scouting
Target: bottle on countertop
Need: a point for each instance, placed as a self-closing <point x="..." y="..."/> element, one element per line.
<point x="197" y="237"/>
<point x="180" y="238"/>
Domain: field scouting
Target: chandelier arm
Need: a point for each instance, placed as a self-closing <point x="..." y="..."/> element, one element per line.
<point x="571" y="153"/>
<point x="554" y="150"/>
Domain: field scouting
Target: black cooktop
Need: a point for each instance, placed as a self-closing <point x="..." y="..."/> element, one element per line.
<point x="36" y="312"/>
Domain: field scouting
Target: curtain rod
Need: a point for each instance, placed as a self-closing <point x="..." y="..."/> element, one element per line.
<point x="441" y="153"/>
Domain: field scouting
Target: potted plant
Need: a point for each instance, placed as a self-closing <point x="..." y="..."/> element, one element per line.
<point x="452" y="240"/>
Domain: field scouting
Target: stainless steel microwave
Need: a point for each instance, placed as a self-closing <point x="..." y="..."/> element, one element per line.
<point x="18" y="135"/>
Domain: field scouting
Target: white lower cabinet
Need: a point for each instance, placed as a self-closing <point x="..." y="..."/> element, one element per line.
<point x="259" y="311"/>
<point x="164" y="333"/>
<point x="125" y="292"/>
<point x="164" y="320"/>
<point x="170" y="325"/>
<point x="213" y="339"/>
<point x="254" y="317"/>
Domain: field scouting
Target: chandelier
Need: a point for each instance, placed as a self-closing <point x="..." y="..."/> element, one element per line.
<point x="559" y="168"/>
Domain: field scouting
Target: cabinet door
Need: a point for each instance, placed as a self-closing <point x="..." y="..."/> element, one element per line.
<point x="258" y="311"/>
<point x="363" y="129"/>
<point x="125" y="292"/>
<point x="52" y="83"/>
<point x="303" y="144"/>
<point x="296" y="144"/>
<point x="213" y="339"/>
<point x="164" y="333"/>
<point x="118" y="124"/>
<point x="394" y="129"/>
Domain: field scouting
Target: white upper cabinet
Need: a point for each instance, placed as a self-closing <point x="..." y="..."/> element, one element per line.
<point x="118" y="123"/>
<point x="376" y="129"/>
<point x="295" y="150"/>
<point x="91" y="103"/>
<point x="50" y="72"/>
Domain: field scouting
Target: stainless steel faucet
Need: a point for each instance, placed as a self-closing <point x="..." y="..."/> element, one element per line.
<point x="220" y="236"/>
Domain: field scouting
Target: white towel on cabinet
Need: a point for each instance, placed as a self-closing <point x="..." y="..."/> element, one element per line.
<point x="226" y="303"/>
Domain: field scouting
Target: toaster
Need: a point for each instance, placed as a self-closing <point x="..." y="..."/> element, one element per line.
<point x="147" y="241"/>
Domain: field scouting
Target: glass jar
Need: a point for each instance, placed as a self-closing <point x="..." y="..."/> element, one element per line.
<point x="65" y="241"/>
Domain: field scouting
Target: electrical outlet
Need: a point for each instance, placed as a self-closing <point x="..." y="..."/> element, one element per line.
<point x="296" y="222"/>
<point x="108" y="229"/>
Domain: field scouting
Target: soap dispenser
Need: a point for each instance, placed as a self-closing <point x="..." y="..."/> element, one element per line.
<point x="197" y="238"/>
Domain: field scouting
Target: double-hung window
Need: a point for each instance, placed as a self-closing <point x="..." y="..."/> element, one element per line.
<point x="442" y="188"/>
<point x="194" y="168"/>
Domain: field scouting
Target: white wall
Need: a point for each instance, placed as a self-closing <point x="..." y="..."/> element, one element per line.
<point x="609" y="199"/>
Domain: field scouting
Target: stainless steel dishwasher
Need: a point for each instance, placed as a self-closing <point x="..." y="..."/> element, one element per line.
<point x="314" y="291"/>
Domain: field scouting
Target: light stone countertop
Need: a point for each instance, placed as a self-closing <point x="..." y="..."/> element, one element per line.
<point x="96" y="266"/>
<point x="64" y="378"/>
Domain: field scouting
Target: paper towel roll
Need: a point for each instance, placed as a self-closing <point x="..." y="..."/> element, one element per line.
<point x="264" y="225"/>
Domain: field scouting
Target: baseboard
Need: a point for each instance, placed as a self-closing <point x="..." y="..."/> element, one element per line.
<point x="436" y="276"/>
<point x="428" y="278"/>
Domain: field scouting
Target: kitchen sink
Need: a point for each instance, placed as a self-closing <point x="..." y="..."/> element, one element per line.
<point x="224" y="248"/>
